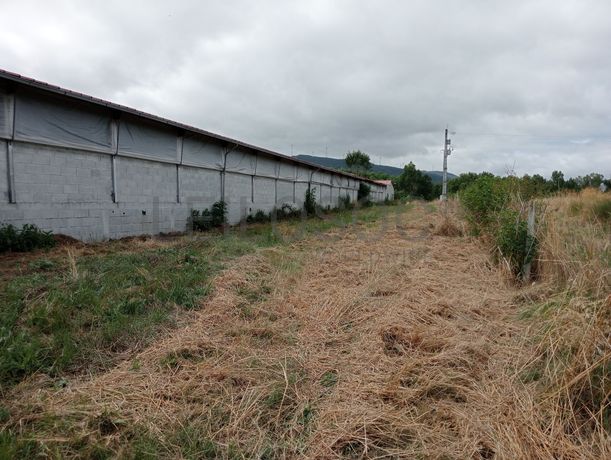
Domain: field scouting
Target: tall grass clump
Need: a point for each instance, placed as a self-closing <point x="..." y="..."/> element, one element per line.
<point x="572" y="323"/>
<point x="568" y="311"/>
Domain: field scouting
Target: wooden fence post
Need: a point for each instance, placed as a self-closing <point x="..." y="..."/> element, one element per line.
<point x="529" y="241"/>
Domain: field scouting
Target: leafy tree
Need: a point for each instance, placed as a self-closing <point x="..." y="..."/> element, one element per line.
<point x="593" y="180"/>
<point x="358" y="161"/>
<point x="558" y="180"/>
<point x="464" y="180"/>
<point x="413" y="182"/>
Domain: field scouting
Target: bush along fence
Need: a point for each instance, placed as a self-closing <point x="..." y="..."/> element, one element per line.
<point x="496" y="213"/>
<point x="207" y="219"/>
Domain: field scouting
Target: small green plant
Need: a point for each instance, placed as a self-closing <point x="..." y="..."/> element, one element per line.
<point x="207" y="219"/>
<point x="28" y="238"/>
<point x="345" y="202"/>
<point x="513" y="241"/>
<point x="307" y="415"/>
<point x="329" y="379"/>
<point x="219" y="214"/>
<point x="309" y="203"/>
<point x="258" y="217"/>
<point x="288" y="211"/>
<point x="42" y="264"/>
<point x="4" y="414"/>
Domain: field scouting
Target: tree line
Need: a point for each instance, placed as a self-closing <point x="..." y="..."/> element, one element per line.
<point x="414" y="183"/>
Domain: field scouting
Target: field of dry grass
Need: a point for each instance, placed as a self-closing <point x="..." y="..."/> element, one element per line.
<point x="394" y="340"/>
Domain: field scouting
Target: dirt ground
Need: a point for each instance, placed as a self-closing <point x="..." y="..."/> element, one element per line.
<point x="383" y="341"/>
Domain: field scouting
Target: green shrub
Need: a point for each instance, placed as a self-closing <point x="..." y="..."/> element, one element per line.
<point x="208" y="219"/>
<point x="513" y="242"/>
<point x="284" y="212"/>
<point x="482" y="200"/>
<point x="287" y="211"/>
<point x="363" y="193"/>
<point x="258" y="217"/>
<point x="309" y="203"/>
<point x="30" y="237"/>
<point x="219" y="214"/>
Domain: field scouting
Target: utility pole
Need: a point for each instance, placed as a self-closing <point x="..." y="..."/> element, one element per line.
<point x="446" y="152"/>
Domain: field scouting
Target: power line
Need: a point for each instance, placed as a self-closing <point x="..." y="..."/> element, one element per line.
<point x="535" y="136"/>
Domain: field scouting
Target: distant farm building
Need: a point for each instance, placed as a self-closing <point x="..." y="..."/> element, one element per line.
<point x="389" y="189"/>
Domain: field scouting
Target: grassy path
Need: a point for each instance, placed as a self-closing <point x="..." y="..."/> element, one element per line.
<point x="372" y="341"/>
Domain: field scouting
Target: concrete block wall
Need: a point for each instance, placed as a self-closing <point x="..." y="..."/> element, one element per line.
<point x="284" y="192"/>
<point x="264" y="193"/>
<point x="238" y="194"/>
<point x="95" y="193"/>
<point x="52" y="175"/>
<point x="139" y="180"/>
<point x="199" y="187"/>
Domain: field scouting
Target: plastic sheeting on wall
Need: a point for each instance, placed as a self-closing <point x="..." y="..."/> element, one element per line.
<point x="197" y="151"/>
<point x="239" y="161"/>
<point x="287" y="170"/>
<point x="267" y="166"/>
<point x="303" y="173"/>
<point x="53" y="121"/>
<point x="146" y="139"/>
<point x="324" y="177"/>
<point x="6" y="116"/>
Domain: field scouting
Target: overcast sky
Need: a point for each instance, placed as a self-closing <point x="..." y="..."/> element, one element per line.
<point x="526" y="86"/>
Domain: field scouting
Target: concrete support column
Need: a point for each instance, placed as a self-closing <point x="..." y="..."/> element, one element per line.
<point x="10" y="163"/>
<point x="114" y="135"/>
<point x="10" y="168"/>
<point x="179" y="145"/>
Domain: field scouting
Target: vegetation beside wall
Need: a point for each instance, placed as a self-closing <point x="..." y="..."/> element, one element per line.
<point x="78" y="308"/>
<point x="27" y="238"/>
<point x="209" y="218"/>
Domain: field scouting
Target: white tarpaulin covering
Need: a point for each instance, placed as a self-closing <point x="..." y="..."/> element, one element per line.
<point x="324" y="177"/>
<point x="144" y="139"/>
<point x="49" y="120"/>
<point x="6" y="116"/>
<point x="196" y="151"/>
<point x="303" y="173"/>
<point x="287" y="170"/>
<point x="239" y="161"/>
<point x="266" y="166"/>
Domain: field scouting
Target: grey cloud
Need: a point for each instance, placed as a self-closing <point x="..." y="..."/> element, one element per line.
<point x="521" y="83"/>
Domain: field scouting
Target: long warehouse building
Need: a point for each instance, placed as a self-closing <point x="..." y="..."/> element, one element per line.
<point x="94" y="170"/>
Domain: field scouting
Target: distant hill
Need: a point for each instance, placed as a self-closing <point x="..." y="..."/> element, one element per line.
<point x="339" y="163"/>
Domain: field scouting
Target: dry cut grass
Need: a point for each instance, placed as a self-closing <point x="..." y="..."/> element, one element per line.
<point x="367" y="342"/>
